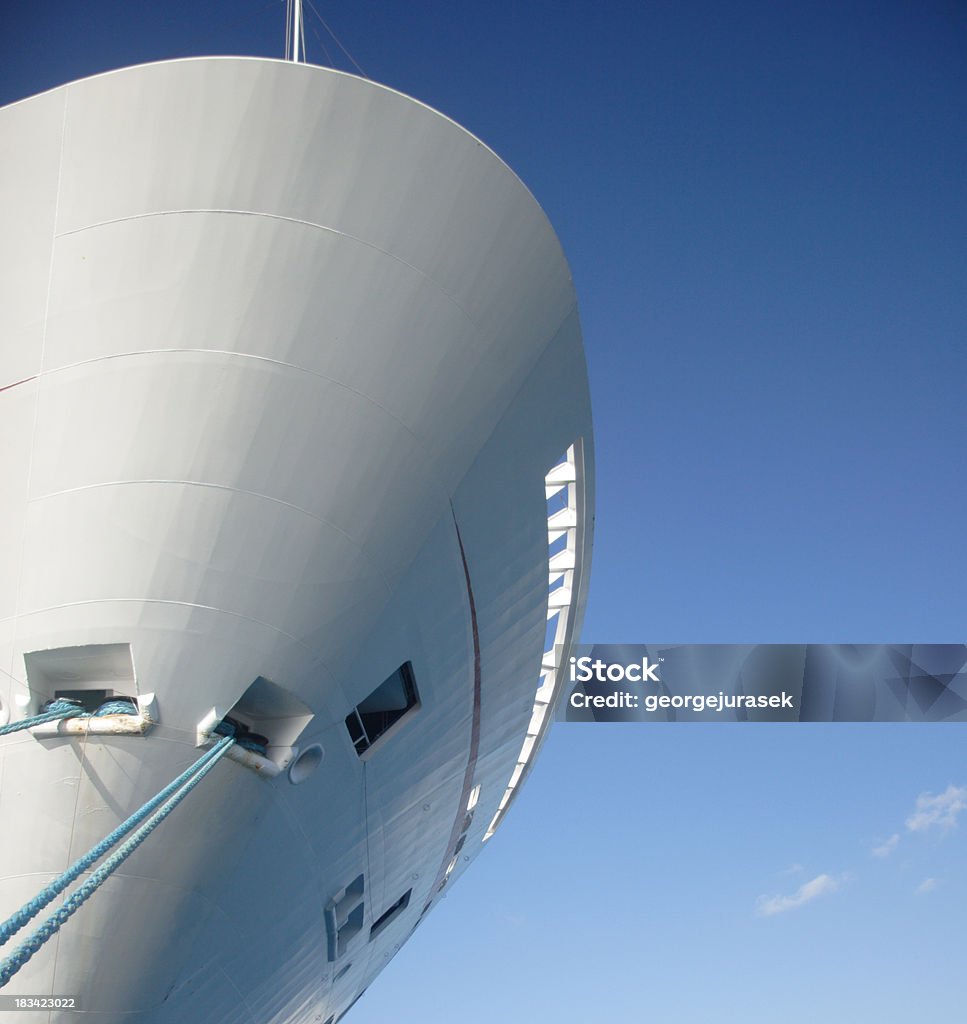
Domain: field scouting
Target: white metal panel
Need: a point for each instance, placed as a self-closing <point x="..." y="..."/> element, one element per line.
<point x="30" y="147"/>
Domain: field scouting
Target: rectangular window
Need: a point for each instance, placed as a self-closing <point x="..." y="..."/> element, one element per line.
<point x="383" y="708"/>
<point x="389" y="915"/>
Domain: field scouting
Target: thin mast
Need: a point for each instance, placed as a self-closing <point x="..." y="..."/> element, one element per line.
<point x="295" y="49"/>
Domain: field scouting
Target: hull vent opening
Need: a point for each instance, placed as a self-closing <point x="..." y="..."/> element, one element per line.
<point x="306" y="764"/>
<point x="390" y="915"/>
<point x="344" y="918"/>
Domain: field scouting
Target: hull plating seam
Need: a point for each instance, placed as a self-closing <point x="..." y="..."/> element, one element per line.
<point x="462" y="808"/>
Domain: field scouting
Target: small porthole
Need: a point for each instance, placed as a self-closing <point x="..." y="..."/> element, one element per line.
<point x="305" y="764"/>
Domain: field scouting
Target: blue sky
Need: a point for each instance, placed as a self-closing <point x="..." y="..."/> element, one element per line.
<point x="764" y="210"/>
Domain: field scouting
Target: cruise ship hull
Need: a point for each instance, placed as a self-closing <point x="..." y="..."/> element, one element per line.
<point x="287" y="360"/>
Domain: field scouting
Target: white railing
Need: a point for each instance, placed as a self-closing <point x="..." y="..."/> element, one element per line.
<point x="560" y="491"/>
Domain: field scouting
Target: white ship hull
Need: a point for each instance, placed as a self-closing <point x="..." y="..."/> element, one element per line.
<point x="286" y="357"/>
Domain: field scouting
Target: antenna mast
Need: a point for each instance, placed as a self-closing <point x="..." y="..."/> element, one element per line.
<point x="295" y="40"/>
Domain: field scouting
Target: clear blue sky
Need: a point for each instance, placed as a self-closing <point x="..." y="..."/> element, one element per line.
<point x="765" y="211"/>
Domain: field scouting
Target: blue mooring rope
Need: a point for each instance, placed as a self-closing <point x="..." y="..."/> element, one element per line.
<point x="30" y="910"/>
<point x="244" y="737"/>
<point x="58" y="709"/>
<point x="22" y="954"/>
<point x="123" y="706"/>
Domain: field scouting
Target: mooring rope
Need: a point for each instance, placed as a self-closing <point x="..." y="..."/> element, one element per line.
<point x="30" y="910"/>
<point x="22" y="954"/>
<point x="59" y="708"/>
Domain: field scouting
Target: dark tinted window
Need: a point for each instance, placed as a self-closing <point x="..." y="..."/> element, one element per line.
<point x="386" y="705"/>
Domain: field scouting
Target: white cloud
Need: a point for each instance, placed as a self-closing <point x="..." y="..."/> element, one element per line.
<point x="821" y="885"/>
<point x="886" y="848"/>
<point x="941" y="809"/>
<point x="927" y="885"/>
